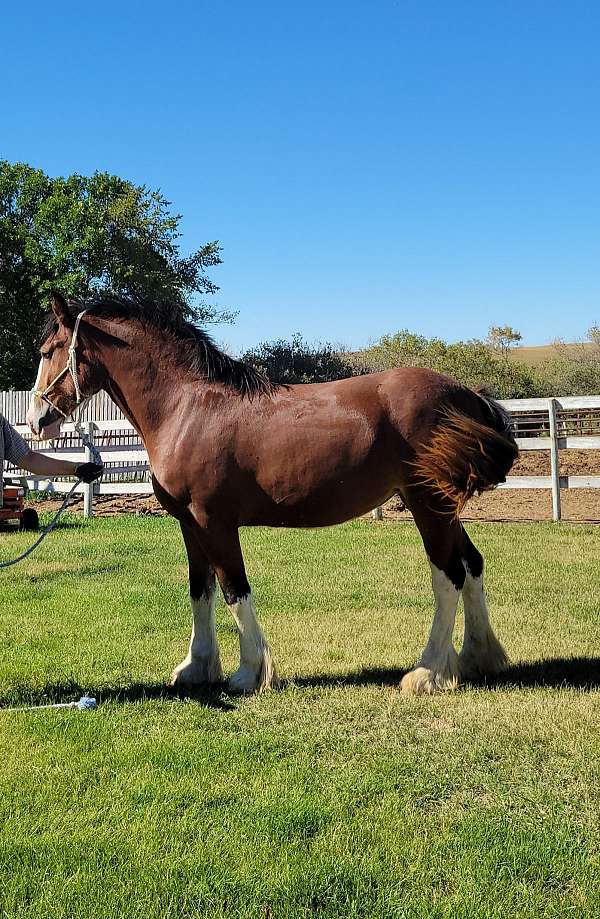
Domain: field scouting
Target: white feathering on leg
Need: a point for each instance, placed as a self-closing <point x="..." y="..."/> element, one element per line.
<point x="438" y="667"/>
<point x="481" y="652"/>
<point x="256" y="671"/>
<point x="202" y="663"/>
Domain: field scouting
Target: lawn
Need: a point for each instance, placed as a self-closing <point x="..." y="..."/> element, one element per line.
<point x="334" y="797"/>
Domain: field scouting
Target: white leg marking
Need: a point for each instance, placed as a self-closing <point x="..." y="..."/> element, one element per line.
<point x="256" y="670"/>
<point x="438" y="666"/>
<point x="202" y="664"/>
<point x="481" y="651"/>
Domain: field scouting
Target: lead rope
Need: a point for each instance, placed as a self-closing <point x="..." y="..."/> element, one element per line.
<point x="95" y="453"/>
<point x="98" y="460"/>
<point x="85" y="704"/>
<point x="44" y="532"/>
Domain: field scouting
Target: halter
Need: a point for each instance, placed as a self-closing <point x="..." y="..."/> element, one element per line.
<point x="71" y="367"/>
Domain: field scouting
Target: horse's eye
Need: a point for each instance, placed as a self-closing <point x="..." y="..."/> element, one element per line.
<point x="46" y="355"/>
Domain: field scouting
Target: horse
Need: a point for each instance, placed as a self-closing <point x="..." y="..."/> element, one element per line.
<point x="229" y="449"/>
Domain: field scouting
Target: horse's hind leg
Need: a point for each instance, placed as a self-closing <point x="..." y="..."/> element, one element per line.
<point x="481" y="652"/>
<point x="202" y="663"/>
<point x="438" y="667"/>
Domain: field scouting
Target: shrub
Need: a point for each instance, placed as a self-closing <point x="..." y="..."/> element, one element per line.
<point x="473" y="363"/>
<point x="297" y="361"/>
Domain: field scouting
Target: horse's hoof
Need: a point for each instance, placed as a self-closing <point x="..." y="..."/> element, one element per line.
<point x="475" y="664"/>
<point x="197" y="672"/>
<point x="424" y="682"/>
<point x="244" y="681"/>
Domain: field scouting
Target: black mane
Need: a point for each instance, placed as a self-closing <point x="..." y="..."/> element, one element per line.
<point x="198" y="352"/>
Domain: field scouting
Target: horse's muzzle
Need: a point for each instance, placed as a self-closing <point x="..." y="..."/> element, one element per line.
<point x="47" y="427"/>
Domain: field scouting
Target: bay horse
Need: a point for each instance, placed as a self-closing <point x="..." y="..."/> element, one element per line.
<point x="227" y="449"/>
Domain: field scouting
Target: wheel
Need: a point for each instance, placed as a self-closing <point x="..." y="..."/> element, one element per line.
<point x="29" y="520"/>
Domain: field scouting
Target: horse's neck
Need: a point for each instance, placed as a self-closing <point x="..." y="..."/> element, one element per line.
<point x="144" y="383"/>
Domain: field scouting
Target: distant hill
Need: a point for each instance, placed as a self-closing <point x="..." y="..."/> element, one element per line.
<point x="537" y="354"/>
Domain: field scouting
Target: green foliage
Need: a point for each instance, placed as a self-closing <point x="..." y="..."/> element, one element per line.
<point x="296" y="361"/>
<point x="574" y="371"/>
<point x="474" y="363"/>
<point x="502" y="337"/>
<point x="84" y="235"/>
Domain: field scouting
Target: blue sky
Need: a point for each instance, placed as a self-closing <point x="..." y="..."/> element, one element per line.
<point x="366" y="166"/>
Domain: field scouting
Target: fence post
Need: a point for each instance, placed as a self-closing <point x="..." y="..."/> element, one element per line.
<point x="554" y="462"/>
<point x="88" y="490"/>
<point x="377" y="513"/>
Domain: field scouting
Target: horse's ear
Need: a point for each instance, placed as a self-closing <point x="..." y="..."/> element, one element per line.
<point x="60" y="308"/>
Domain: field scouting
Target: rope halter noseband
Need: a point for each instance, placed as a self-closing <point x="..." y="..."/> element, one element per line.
<point x="71" y="367"/>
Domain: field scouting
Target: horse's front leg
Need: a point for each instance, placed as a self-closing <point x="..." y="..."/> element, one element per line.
<point x="202" y="663"/>
<point x="256" y="671"/>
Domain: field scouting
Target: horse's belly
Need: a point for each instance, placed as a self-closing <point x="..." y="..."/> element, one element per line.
<point x="324" y="507"/>
<point x="319" y="481"/>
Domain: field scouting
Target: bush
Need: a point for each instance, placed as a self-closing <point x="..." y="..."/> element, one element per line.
<point x="297" y="361"/>
<point x="572" y="372"/>
<point x="569" y="377"/>
<point x="473" y="363"/>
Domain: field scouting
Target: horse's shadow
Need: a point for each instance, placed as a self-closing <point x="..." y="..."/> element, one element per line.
<point x="208" y="696"/>
<point x="557" y="672"/>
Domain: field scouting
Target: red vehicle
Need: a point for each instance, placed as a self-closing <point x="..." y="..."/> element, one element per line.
<point x="12" y="507"/>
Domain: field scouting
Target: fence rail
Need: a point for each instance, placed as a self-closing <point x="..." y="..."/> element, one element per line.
<point x="13" y="405"/>
<point x="562" y="423"/>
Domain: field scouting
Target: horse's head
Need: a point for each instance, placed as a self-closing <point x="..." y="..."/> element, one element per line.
<point x="67" y="374"/>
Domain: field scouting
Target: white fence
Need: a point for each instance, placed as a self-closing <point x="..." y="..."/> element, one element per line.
<point x="13" y="405"/>
<point x="126" y="465"/>
<point x="567" y="423"/>
<point x="571" y="422"/>
<point x="127" y="470"/>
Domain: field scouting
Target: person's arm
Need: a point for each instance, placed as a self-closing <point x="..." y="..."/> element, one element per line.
<point x="49" y="466"/>
<point x="42" y="465"/>
<point x="18" y="453"/>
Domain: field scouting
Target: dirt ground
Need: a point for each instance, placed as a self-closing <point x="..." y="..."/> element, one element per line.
<point x="579" y="505"/>
<point x="108" y="505"/>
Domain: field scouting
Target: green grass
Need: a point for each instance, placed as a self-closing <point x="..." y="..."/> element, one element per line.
<point x="335" y="797"/>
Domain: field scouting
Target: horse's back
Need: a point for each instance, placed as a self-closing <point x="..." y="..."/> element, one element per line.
<point x="401" y="400"/>
<point x="324" y="452"/>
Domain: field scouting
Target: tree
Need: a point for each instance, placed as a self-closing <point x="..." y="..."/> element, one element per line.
<point x="296" y="361"/>
<point x="502" y="337"/>
<point x="86" y="235"/>
<point x="593" y="334"/>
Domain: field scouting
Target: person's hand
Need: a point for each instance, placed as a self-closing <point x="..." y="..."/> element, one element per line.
<point x="89" y="472"/>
